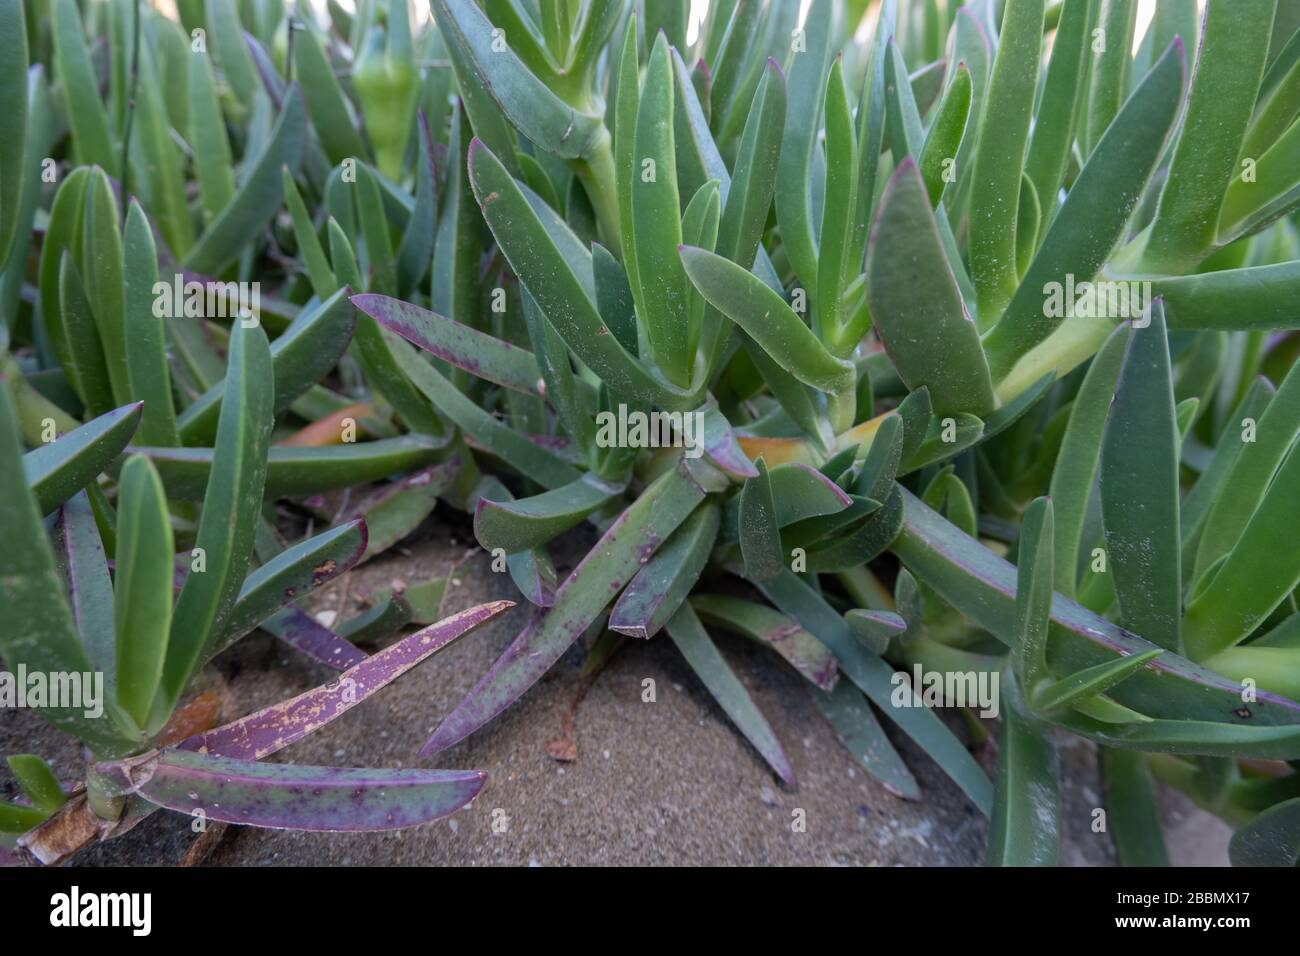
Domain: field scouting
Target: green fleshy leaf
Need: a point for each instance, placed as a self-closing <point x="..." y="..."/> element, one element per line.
<point x="213" y="167"/>
<point x="293" y="472"/>
<point x="1024" y="828"/>
<point x="76" y="75"/>
<point x="142" y="587"/>
<point x="700" y="652"/>
<point x="258" y="197"/>
<point x="1094" y="216"/>
<point x="763" y="314"/>
<point x="663" y="307"/>
<point x="999" y="162"/>
<point x="13" y="118"/>
<point x="326" y="104"/>
<point x="1132" y="814"/>
<point x="38" y="631"/>
<point x="659" y="588"/>
<point x="1087" y="683"/>
<point x="38" y="782"/>
<point x="1139" y="489"/>
<point x="943" y="140"/>
<point x="1271" y="839"/>
<point x="525" y="523"/>
<point x="771" y="629"/>
<point x="149" y="375"/>
<point x="916" y="305"/>
<point x="231" y="505"/>
<point x="1063" y="95"/>
<point x="57" y="471"/>
<point x="300" y="356"/>
<point x="875" y="678"/>
<point x="1077" y="462"/>
<point x="760" y="539"/>
<point x="858" y="729"/>
<point x="538" y="113"/>
<point x="1229" y="69"/>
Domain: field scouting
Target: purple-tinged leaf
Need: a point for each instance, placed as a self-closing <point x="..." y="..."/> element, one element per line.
<point x="875" y="629"/>
<point x="700" y="652"/>
<point x="721" y="447"/>
<point x="760" y="623"/>
<point x="396" y="510"/>
<point x="662" y="585"/>
<point x="534" y="575"/>
<point x="629" y="543"/>
<point x="864" y="543"/>
<point x="463" y="346"/>
<point x="286" y="797"/>
<point x="304" y="633"/>
<point x="799" y="492"/>
<point x="272" y="729"/>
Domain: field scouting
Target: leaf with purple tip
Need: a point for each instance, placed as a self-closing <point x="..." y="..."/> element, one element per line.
<point x="463" y="346"/>
<point x="629" y="542"/>
<point x="308" y="636"/>
<point x="272" y="729"/>
<point x="659" y="588"/>
<point x="287" y="797"/>
<point x="766" y="626"/>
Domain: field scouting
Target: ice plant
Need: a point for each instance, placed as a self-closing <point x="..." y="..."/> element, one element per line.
<point x="942" y="215"/>
<point x="115" y="627"/>
<point x="957" y="340"/>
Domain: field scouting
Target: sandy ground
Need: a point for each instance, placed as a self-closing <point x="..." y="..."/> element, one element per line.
<point x="668" y="782"/>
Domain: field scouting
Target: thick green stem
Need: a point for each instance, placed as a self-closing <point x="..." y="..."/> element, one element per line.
<point x="597" y="175"/>
<point x="1073" y="343"/>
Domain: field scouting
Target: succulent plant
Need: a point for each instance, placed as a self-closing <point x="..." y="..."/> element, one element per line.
<point x="139" y="638"/>
<point x="965" y="333"/>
